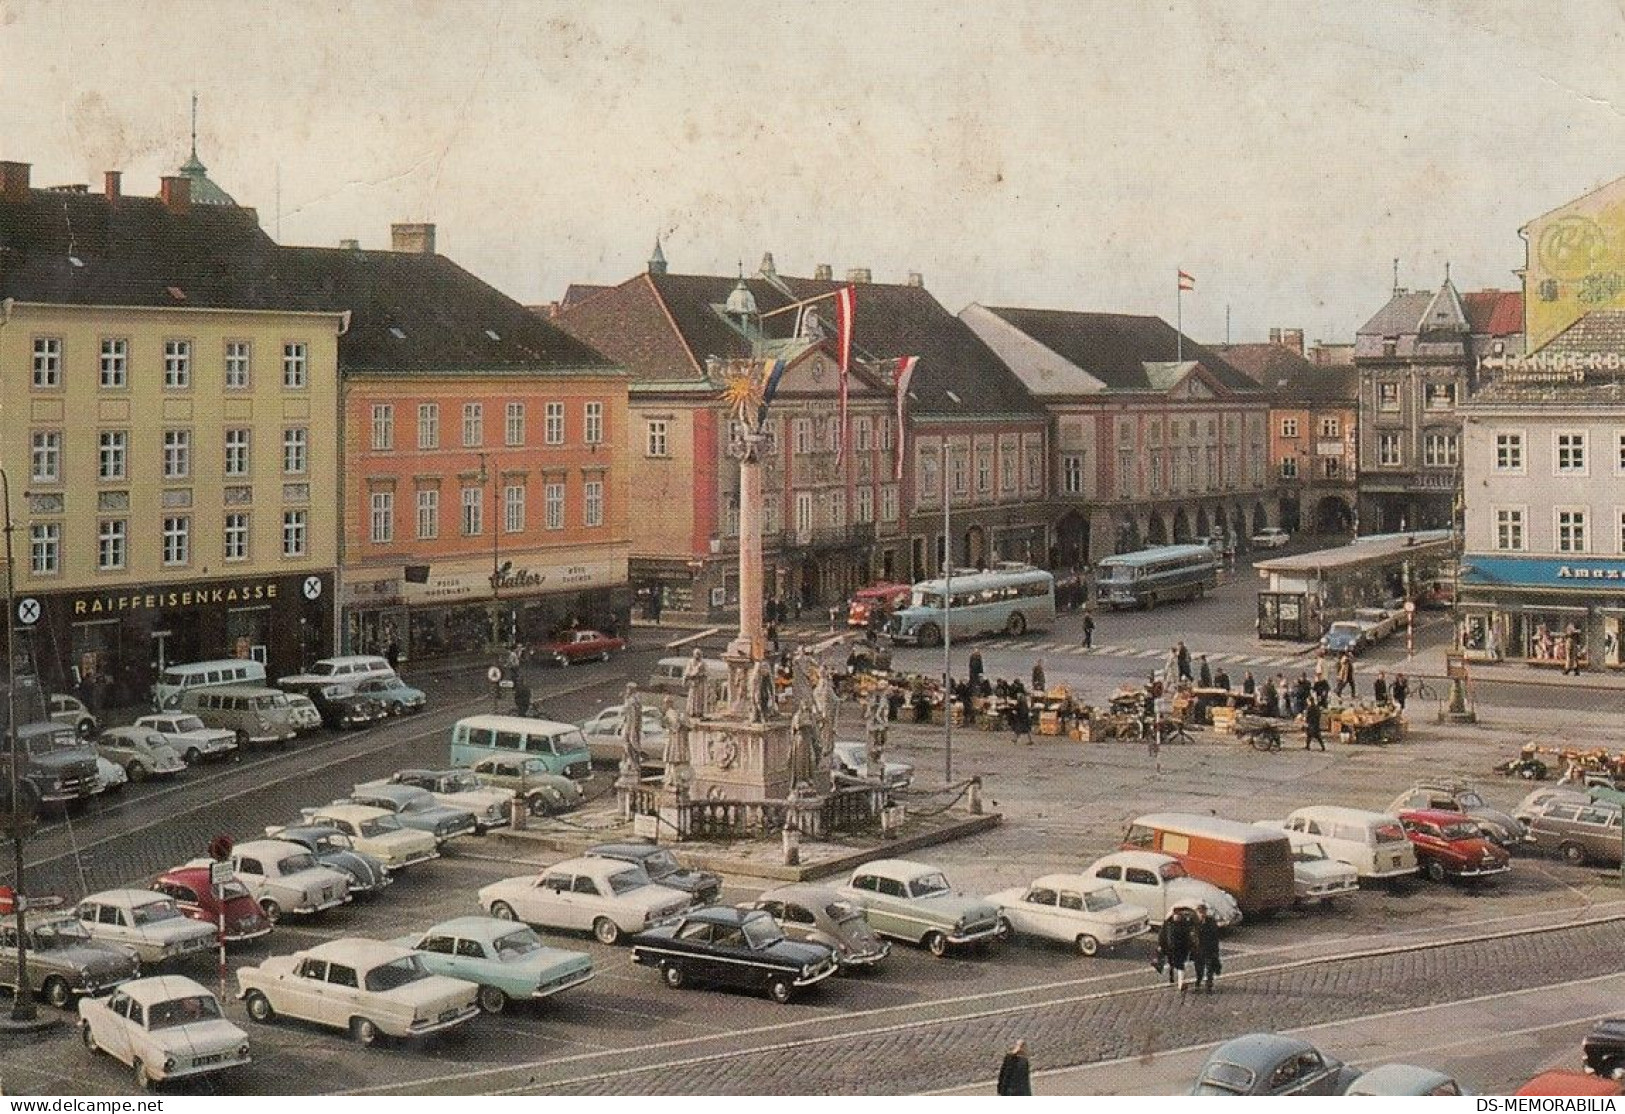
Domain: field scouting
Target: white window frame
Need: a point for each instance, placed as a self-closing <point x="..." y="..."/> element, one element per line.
<point x="428" y="425"/>
<point x="1428" y="399"/>
<point x="177" y="454"/>
<point x="295" y="450"/>
<point x="657" y="438"/>
<point x="295" y="533"/>
<point x="177" y="540"/>
<point x="1386" y="405"/>
<point x="473" y="425"/>
<point x="112" y="544"/>
<point x="1072" y="474"/>
<point x="889" y="502"/>
<point x="863" y="509"/>
<point x="295" y="365"/>
<point x="863" y="434"/>
<point x="553" y="423"/>
<point x="513" y="424"/>
<point x="592" y="503"/>
<point x="1510" y="450"/>
<point x="44" y="548"/>
<point x="238" y="360"/>
<point x="239" y="451"/>
<point x="513" y="508"/>
<point x="592" y="423"/>
<point x="1395" y="439"/>
<point x="381" y="517"/>
<point x="113" y="455"/>
<point x="804" y="514"/>
<point x="428" y="513"/>
<point x="1504" y="521"/>
<point x="45" y="456"/>
<point x="801" y="436"/>
<point x="1578" y="442"/>
<point x="235" y="536"/>
<point x="473" y="511"/>
<point x="47" y="365"/>
<point x="553" y="506"/>
<point x="1559" y="544"/>
<point x="1331" y="426"/>
<point x="383" y="427"/>
<point x="177" y="364"/>
<point x="1289" y="427"/>
<point x="1449" y="444"/>
<point x="113" y="364"/>
<point x="1289" y="467"/>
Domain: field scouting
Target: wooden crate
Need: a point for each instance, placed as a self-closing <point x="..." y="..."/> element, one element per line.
<point x="1224" y="720"/>
<point x="1049" y="723"/>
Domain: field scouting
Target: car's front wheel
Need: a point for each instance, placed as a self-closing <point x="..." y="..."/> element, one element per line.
<point x="364" y="1031"/>
<point x="502" y="911"/>
<point x="1088" y="945"/>
<point x="193" y="756"/>
<point x="259" y="1007"/>
<point x="87" y="1037"/>
<point x="1436" y="872"/>
<point x="136" y="772"/>
<point x="607" y="931"/>
<point x="674" y="976"/>
<point x="779" y="990"/>
<point x="492" y="1000"/>
<point x="56" y="992"/>
<point x="1572" y="853"/>
<point x="936" y="943"/>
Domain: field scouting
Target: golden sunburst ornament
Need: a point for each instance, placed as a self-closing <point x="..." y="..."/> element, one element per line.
<point x="743" y="393"/>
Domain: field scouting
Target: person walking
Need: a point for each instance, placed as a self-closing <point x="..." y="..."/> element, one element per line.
<point x="1088" y="632"/>
<point x="975" y="667"/>
<point x="1039" y="687"/>
<point x="1345" y="676"/>
<point x="1150" y="713"/>
<point x="1204" y="673"/>
<point x="1311" y="726"/>
<point x="1571" y="650"/>
<point x="1400" y="690"/>
<point x="392" y="654"/>
<point x="1302" y="691"/>
<point x="1184" y="662"/>
<point x="1249" y="687"/>
<point x="1379" y="688"/>
<point x="1174" y="945"/>
<point x="1170" y="667"/>
<point x="1015" y="1072"/>
<point x="1320" y="665"/>
<point x="1021" y="719"/>
<point x="1205" y="947"/>
<point x="1271" y="699"/>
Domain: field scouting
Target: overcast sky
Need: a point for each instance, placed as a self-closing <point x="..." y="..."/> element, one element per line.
<point x="1067" y="155"/>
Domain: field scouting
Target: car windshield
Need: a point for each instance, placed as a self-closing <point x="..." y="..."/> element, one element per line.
<point x="233" y="891"/>
<point x="1228" y="1077"/>
<point x="1459" y="830"/>
<point x="521" y="941"/>
<point x="53" y="740"/>
<point x="1469" y="799"/>
<point x="660" y="864"/>
<point x="1098" y="901"/>
<point x="459" y="783"/>
<point x="842" y="911"/>
<point x="293" y="864"/>
<point x="1309" y="853"/>
<point x="153" y="912"/>
<point x="761" y="932"/>
<point x="182" y="1011"/>
<point x="331" y="841"/>
<point x="929" y="885"/>
<point x="60" y="934"/>
<point x="398" y="972"/>
<point x="568" y="741"/>
<point x="625" y="881"/>
<point x="1170" y="871"/>
<point x="189" y="723"/>
<point x="1390" y="833"/>
<point x="380" y="825"/>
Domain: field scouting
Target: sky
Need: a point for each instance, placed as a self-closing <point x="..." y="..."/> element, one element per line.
<point x="1070" y="155"/>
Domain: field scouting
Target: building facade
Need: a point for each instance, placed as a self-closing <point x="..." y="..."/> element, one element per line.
<point x="170" y="435"/>
<point x="1154" y="439"/>
<point x="1417" y="361"/>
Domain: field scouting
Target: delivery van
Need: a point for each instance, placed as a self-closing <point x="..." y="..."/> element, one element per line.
<point x="1251" y="864"/>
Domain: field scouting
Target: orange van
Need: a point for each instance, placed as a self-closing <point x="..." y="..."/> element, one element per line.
<point x="1252" y="864"/>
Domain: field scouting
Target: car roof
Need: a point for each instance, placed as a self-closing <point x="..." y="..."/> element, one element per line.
<point x="1340" y="812"/>
<point x="270" y="847"/>
<point x="483" y="927"/>
<point x="162" y="988"/>
<point x="1435" y="816"/>
<point x="584" y="865"/>
<point x="388" y="789"/>
<point x="358" y="950"/>
<point x="802" y="893"/>
<point x="901" y="868"/>
<point x="622" y="850"/>
<point x="1207" y="825"/>
<point x="126" y="897"/>
<point x="1151" y="860"/>
<point x="1069" y="882"/>
<point x="1255" y="1050"/>
<point x="305" y="831"/>
<point x="186" y="873"/>
<point x="522" y="724"/>
<point x="1399" y="1079"/>
<point x="351" y="811"/>
<point x="723" y="914"/>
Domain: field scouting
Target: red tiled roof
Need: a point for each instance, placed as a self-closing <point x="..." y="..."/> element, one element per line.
<point x="1495" y="313"/>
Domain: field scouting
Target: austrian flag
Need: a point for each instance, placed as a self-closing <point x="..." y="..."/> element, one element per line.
<point x="1187" y="282"/>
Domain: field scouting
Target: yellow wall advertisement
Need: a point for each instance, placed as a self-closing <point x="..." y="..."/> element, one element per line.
<point x="1576" y="263"/>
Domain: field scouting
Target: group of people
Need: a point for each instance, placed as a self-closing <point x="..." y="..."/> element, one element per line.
<point x="1190" y="937"/>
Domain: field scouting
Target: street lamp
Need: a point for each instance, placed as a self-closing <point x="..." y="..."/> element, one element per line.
<point x="22" y="1003"/>
<point x="489" y="479"/>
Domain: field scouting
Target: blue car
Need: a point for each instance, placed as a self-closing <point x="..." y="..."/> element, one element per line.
<point x="1344" y="637"/>
<point x="1272" y="1064"/>
<point x="393" y="693"/>
<point x="506" y="959"/>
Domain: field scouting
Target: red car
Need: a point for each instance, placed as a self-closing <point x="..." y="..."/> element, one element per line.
<point x="885" y="597"/>
<point x="581" y="645"/>
<point x="1451" y="845"/>
<point x="189" y="886"/>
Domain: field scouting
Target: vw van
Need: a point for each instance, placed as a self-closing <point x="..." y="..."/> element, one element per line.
<point x="253" y="714"/>
<point x="1251" y="864"/>
<point x="176" y="679"/>
<point x="560" y="747"/>
<point x="1373" y="843"/>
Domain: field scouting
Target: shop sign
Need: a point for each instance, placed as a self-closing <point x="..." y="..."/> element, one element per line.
<point x="1553" y="367"/>
<point x="448" y="585"/>
<point x="1540" y="572"/>
<point x="115" y="603"/>
<point x="372" y="592"/>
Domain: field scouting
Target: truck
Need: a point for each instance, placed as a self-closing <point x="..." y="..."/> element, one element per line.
<point x="58" y="767"/>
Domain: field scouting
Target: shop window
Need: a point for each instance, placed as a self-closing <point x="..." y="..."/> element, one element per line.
<point x="1549" y="637"/>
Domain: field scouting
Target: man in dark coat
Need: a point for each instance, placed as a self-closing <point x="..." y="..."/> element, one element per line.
<point x="1400" y="690"/>
<point x="1311" y="726"/>
<point x="1270" y="699"/>
<point x="1015" y="1073"/>
<point x="1174" y="945"/>
<point x="1204" y="673"/>
<point x="1183" y="662"/>
<point x="1248" y="685"/>
<point x="1088" y="632"/>
<point x="1379" y="689"/>
<point x="1205" y="947"/>
<point x="1021" y="720"/>
<point x="1221" y="679"/>
<point x="1323" y="691"/>
<point x="975" y="667"/>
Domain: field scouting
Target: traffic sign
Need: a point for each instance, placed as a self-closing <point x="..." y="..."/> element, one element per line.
<point x="220" y="873"/>
<point x="494" y="674"/>
<point x="28" y="611"/>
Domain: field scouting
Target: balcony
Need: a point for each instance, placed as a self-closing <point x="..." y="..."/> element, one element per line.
<point x="829" y="537"/>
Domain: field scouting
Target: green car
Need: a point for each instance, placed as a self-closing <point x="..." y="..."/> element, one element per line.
<point x="545" y="793"/>
<point x="507" y="960"/>
<point x="913" y="902"/>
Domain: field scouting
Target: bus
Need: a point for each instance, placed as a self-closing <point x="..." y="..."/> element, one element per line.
<point x="1011" y="597"/>
<point x="1151" y="576"/>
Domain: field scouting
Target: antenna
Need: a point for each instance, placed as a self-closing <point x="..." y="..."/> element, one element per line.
<point x="1227" y="324"/>
<point x="194" y="123"/>
<point x="1396" y="274"/>
<point x="1447" y="270"/>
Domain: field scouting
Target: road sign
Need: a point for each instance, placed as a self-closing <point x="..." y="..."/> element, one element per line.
<point x="220" y="873"/>
<point x="313" y="587"/>
<point x="494" y="674"/>
<point x="1455" y="667"/>
<point x="28" y="611"/>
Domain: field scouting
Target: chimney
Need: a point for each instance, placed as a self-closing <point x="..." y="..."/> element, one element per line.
<point x="112" y="184"/>
<point x="1291" y="339"/>
<point x="823" y="272"/>
<point x="176" y="194"/>
<point x="915" y="278"/>
<point x="857" y="274"/>
<point x="14" y="181"/>
<point x="350" y="245"/>
<point x="417" y="239"/>
<point x="767" y="264"/>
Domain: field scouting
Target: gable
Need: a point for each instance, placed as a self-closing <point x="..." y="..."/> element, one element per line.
<point x="1575" y="262"/>
<point x="816" y="372"/>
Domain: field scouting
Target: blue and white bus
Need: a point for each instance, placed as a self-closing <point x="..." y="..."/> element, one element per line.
<point x="1013" y="598"/>
<point x="1152" y="576"/>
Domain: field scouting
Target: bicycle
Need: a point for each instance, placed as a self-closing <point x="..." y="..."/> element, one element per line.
<point x="1170" y="730"/>
<point x="1422" y="690"/>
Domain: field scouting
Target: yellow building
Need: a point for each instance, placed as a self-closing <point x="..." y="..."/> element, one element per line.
<point x="169" y="429"/>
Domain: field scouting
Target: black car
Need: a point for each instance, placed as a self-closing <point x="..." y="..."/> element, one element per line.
<point x="737" y="948"/>
<point x="340" y="706"/>
<point x="1604" y="1048"/>
<point x="663" y="868"/>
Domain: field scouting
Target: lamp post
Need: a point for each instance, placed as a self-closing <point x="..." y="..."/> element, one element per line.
<point x="947" y="628"/>
<point x="22" y="1003"/>
<point x="489" y="479"/>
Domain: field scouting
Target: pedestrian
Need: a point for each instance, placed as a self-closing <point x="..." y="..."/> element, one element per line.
<point x="1270" y="697"/>
<point x="1221" y="679"/>
<point x="1311" y="727"/>
<point x="1150" y="713"/>
<point x="1323" y="691"/>
<point x="656" y="603"/>
<point x="1571" y="650"/>
<point x="1174" y="945"/>
<point x="967" y="701"/>
<point x="1284" y="690"/>
<point x="1039" y="687"/>
<point x="1021" y="720"/>
<point x="1204" y="673"/>
<point x="1088" y="632"/>
<point x="975" y="666"/>
<point x="1320" y="664"/>
<point x="1345" y="676"/>
<point x="1302" y="692"/>
<point x="1184" y="662"/>
<point x="521" y="698"/>
<point x="834" y="614"/>
<point x="1249" y="686"/>
<point x="1015" y="1073"/>
<point x="1170" y="667"/>
<point x="1379" y="688"/>
<point x="1400" y="690"/>
<point x="773" y="636"/>
<point x="392" y="653"/>
<point x="1205" y="947"/>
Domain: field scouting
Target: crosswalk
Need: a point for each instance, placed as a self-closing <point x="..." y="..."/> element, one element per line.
<point x="1073" y="649"/>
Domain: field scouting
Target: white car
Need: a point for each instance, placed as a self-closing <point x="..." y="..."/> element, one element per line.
<point x="1380" y="623"/>
<point x="1083" y="912"/>
<point x="72" y="711"/>
<point x="1158" y="883"/>
<point x="852" y="762"/>
<point x="166" y="1027"/>
<point x="190" y="736"/>
<point x="458" y="789"/>
<point x="1270" y="537"/>
<point x="1316" y="876"/>
<point x="142" y="753"/>
<point x="366" y="986"/>
<point x="607" y="897"/>
<point x="286" y="878"/>
<point x="149" y="924"/>
<point x="306" y="717"/>
<point x="111" y="775"/>
<point x="374" y="831"/>
<point x="603" y="732"/>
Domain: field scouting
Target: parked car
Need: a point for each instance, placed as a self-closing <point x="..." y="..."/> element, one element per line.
<point x="201" y="900"/>
<point x="1570" y="823"/>
<point x="1561" y="1081"/>
<point x="1454" y="796"/>
<point x="1380" y="622"/>
<point x="303" y="713"/>
<point x="663" y="869"/>
<point x="913" y="901"/>
<point x="1405" y="1079"/>
<point x="149" y="923"/>
<point x="603" y="734"/>
<point x="165" y="1028"/>
<point x="1270" y="537"/>
<point x="852" y="764"/>
<point x="346" y="669"/>
<point x="192" y="739"/>
<point x="286" y="878"/>
<point x="1272" y="1064"/>
<point x="741" y="949"/>
<point x="110" y="775"/>
<point x="332" y="848"/>
<point x="1373" y="843"/>
<point x="507" y="961"/>
<point x="1316" y="876"/>
<point x="394" y="694"/>
<point x="366" y="986"/>
<point x="255" y="715"/>
<point x="545" y="793"/>
<point x="1604" y="1048"/>
<point x="459" y="789"/>
<point x="1344" y="637"/>
<point x="607" y="897"/>
<point x="1083" y="912"/>
<point x="71" y="710"/>
<point x="372" y="830"/>
<point x="141" y="752"/>
<point x="56" y="766"/>
<point x="1449" y="845"/>
<point x="820" y="915"/>
<point x="1159" y="884"/>
<point x="417" y="808"/>
<point x="340" y="706"/>
<point x="580" y="645"/>
<point x="64" y="962"/>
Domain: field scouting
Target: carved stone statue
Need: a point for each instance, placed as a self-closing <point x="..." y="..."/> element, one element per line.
<point x="875" y="716"/>
<point x="803" y="745"/>
<point x="632" y="726"/>
<point x="696" y="699"/>
<point x="824" y="709"/>
<point x="759" y="694"/>
<point x="676" y="754"/>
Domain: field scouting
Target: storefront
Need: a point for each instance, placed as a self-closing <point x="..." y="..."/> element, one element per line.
<point x="108" y="645"/>
<point x="1528" y="609"/>
<point x="1305" y="593"/>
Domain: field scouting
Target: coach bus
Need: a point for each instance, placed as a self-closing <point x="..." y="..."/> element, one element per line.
<point x="1152" y="576"/>
<point x="1012" y="598"/>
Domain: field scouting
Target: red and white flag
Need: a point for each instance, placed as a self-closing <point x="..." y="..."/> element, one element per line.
<point x="902" y="372"/>
<point x="845" y="301"/>
<point x="1187" y="282"/>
